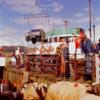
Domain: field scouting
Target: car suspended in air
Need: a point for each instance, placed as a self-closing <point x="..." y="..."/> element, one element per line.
<point x="36" y="35"/>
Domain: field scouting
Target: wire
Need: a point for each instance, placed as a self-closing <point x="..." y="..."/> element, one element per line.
<point x="42" y="14"/>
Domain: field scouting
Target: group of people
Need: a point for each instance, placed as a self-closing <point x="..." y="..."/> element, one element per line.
<point x="42" y="50"/>
<point x="87" y="48"/>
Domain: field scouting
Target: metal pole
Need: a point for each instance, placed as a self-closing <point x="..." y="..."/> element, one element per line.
<point x="90" y="19"/>
<point x="66" y="23"/>
<point x="94" y="32"/>
<point x="53" y="26"/>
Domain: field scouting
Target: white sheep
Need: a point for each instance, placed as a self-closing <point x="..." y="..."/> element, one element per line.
<point x="65" y="91"/>
<point x="34" y="91"/>
<point x="69" y="91"/>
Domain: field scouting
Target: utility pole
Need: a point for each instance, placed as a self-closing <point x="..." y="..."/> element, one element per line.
<point x="90" y="19"/>
<point x="53" y="26"/>
<point x="94" y="32"/>
<point x="66" y="23"/>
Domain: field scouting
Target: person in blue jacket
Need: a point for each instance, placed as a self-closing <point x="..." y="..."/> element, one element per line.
<point x="88" y="49"/>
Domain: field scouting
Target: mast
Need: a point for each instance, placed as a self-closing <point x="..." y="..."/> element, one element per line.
<point x="66" y="24"/>
<point x="90" y="19"/>
<point x="94" y="33"/>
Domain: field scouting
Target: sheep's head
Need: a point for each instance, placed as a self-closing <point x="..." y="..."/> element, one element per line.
<point x="41" y="90"/>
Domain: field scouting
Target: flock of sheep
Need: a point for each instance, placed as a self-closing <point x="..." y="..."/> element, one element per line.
<point x="62" y="90"/>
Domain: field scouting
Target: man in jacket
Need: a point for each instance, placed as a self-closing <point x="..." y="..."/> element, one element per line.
<point x="88" y="49"/>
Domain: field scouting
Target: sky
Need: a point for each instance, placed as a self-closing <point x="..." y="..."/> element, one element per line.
<point x="48" y="14"/>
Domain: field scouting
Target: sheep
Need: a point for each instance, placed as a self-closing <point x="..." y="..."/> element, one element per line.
<point x="34" y="91"/>
<point x="70" y="91"/>
<point x="6" y="96"/>
<point x="90" y="97"/>
<point x="65" y="91"/>
<point x="29" y="92"/>
<point x="94" y="89"/>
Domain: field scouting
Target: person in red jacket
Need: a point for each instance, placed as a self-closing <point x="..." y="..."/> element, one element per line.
<point x="77" y="40"/>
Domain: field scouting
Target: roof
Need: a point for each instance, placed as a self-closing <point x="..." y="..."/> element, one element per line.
<point x="65" y="32"/>
<point x="37" y="30"/>
<point x="65" y="35"/>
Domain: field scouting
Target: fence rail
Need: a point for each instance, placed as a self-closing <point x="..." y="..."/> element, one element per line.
<point x="46" y="64"/>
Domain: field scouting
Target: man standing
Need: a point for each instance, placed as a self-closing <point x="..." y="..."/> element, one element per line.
<point x="65" y="69"/>
<point x="88" y="50"/>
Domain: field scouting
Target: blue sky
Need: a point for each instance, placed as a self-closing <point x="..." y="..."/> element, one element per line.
<point x="12" y="22"/>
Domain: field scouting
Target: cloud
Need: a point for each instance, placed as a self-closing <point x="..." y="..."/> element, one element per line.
<point x="57" y="7"/>
<point x="29" y="6"/>
<point x="10" y="36"/>
<point x="4" y="31"/>
<point x="86" y="9"/>
<point x="23" y="6"/>
<point x="97" y="20"/>
<point x="45" y="23"/>
<point x="78" y="22"/>
<point x="19" y="39"/>
<point x="79" y="14"/>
